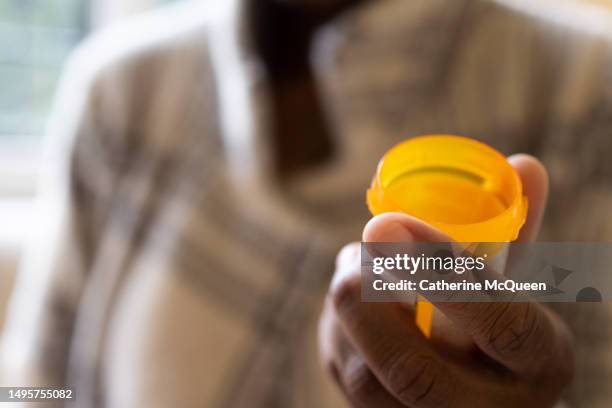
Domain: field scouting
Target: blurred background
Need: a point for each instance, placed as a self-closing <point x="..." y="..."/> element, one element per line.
<point x="36" y="36"/>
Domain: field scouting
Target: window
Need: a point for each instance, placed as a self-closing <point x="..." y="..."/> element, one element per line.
<point x="35" y="38"/>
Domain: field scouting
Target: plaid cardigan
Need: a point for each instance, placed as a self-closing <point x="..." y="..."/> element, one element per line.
<point x="184" y="275"/>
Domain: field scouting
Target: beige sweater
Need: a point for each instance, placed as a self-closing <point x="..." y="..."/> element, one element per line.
<point x="184" y="276"/>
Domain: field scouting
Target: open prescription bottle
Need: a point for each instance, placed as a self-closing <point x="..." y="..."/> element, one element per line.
<point x="463" y="187"/>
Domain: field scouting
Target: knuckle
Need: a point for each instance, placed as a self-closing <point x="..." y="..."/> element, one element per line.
<point x="346" y="294"/>
<point x="359" y="381"/>
<point x="527" y="338"/>
<point x="417" y="379"/>
<point x="513" y="334"/>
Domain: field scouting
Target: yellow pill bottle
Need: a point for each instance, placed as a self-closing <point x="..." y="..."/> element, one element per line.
<point x="461" y="186"/>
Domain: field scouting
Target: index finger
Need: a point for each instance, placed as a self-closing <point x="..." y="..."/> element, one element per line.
<point x="535" y="187"/>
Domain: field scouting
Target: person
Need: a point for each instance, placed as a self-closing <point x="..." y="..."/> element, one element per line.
<point x="219" y="154"/>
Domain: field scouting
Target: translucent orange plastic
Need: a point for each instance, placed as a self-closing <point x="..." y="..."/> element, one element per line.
<point x="463" y="187"/>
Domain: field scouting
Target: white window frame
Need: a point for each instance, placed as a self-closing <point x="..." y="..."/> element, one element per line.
<point x="105" y="12"/>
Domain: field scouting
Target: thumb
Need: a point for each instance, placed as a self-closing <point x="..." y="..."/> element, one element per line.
<point x="398" y="227"/>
